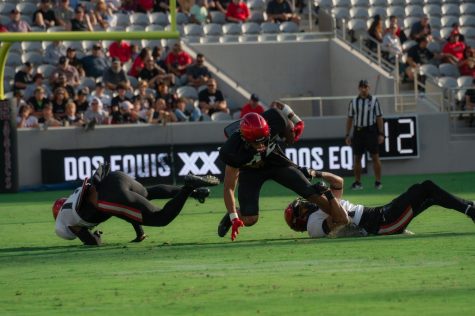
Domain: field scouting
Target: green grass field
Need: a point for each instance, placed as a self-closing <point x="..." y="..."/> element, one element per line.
<point x="186" y="269"/>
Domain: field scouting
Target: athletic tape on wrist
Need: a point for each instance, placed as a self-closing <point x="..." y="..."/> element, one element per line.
<point x="233" y="216"/>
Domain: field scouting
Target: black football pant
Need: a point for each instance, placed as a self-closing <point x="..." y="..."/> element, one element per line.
<point x="393" y="218"/>
<point x="123" y="197"/>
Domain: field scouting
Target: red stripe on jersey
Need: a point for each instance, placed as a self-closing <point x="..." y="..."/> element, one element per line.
<point x="120" y="209"/>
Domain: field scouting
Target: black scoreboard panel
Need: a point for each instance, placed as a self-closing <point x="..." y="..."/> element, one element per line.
<point x="401" y="138"/>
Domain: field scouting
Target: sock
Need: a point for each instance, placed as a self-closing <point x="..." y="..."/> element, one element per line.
<point x="470" y="211"/>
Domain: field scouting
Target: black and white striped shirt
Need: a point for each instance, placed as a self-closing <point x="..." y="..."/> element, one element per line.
<point x="364" y="111"/>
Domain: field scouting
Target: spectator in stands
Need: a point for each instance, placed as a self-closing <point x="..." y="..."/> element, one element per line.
<point x="121" y="95"/>
<point x="23" y="77"/>
<point x="81" y="100"/>
<point x="467" y="63"/>
<point x="161" y="6"/>
<point x="74" y="61"/>
<point x="453" y="50"/>
<point x="145" y="6"/>
<point x="16" y="24"/>
<point x="199" y="12"/>
<point x="59" y="101"/>
<point x="71" y="118"/>
<point x="391" y="44"/>
<point x="64" y="68"/>
<point x="218" y="5"/>
<point x="115" y="75"/>
<point x="62" y="83"/>
<point x="100" y="93"/>
<point x="64" y="14"/>
<point x="393" y="21"/>
<point x="128" y="6"/>
<point x="38" y="81"/>
<point x="375" y="33"/>
<point x="163" y="92"/>
<point x="95" y="64"/>
<point x="162" y="113"/>
<point x="237" y="11"/>
<point x="456" y="29"/>
<point x="182" y="114"/>
<point x="102" y="15"/>
<point x="198" y="74"/>
<point x="418" y="55"/>
<point x="18" y="100"/>
<point x="279" y="11"/>
<point x="44" y="17"/>
<point x="185" y="5"/>
<point x="139" y="62"/>
<point x="142" y="93"/>
<point x="153" y="74"/>
<point x="212" y="100"/>
<point x="252" y="106"/>
<point x="38" y="101"/>
<point x="25" y="117"/>
<point x="96" y="112"/>
<point x="157" y="56"/>
<point x="121" y="50"/>
<point x="3" y="28"/>
<point x="421" y="29"/>
<point x="177" y="62"/>
<point x="81" y="21"/>
<point x="47" y="117"/>
<point x="53" y="52"/>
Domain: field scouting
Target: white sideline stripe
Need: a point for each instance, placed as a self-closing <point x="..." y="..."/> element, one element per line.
<point x="121" y="210"/>
<point x="396" y="225"/>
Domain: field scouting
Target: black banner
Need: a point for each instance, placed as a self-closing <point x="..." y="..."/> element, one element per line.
<point x="168" y="164"/>
<point x="8" y="156"/>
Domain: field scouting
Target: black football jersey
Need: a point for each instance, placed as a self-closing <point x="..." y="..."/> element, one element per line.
<point x="236" y="153"/>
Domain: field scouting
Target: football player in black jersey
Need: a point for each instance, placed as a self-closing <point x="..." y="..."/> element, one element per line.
<point x="389" y="219"/>
<point x="117" y="194"/>
<point x="253" y="156"/>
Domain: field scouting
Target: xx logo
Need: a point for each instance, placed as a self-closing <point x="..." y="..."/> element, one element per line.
<point x="190" y="163"/>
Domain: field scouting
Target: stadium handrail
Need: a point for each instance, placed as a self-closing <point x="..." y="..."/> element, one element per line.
<point x="7" y="39"/>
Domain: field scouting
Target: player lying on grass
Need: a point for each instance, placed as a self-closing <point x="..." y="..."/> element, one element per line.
<point x="392" y="218"/>
<point x="109" y="194"/>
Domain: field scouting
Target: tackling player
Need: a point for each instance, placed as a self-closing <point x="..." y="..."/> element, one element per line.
<point x="253" y="156"/>
<point x="115" y="193"/>
<point x="389" y="219"/>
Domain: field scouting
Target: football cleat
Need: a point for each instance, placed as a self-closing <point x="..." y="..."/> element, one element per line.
<point x="224" y="225"/>
<point x="356" y="186"/>
<point x="200" y="194"/>
<point x="195" y="182"/>
<point x="378" y="185"/>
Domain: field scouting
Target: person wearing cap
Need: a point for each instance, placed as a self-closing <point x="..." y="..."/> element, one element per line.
<point x="252" y="106"/>
<point x="364" y="132"/>
<point x="23" y="77"/>
<point x="81" y="100"/>
<point x="114" y="193"/>
<point x="53" y="52"/>
<point x="44" y="17"/>
<point x="114" y="75"/>
<point x="70" y="72"/>
<point x="121" y="95"/>
<point x="16" y="24"/>
<point x="95" y="63"/>
<point x="74" y="61"/>
<point x="452" y="51"/>
<point x="38" y="81"/>
<point x="198" y="74"/>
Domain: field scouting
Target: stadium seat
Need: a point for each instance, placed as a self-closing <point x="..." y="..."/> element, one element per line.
<point x="429" y="70"/>
<point x="341" y="13"/>
<point x="210" y="39"/>
<point x="116" y="28"/>
<point x="394" y="3"/>
<point x="267" y="37"/>
<point x="342" y="3"/>
<point x="232" y="29"/>
<point x="151" y="43"/>
<point x="358" y="27"/>
<point x="9" y="73"/>
<point x="181" y="18"/>
<point x="230" y="38"/>
<point x="381" y="11"/>
<point x="257" y="17"/>
<point x="408" y="44"/>
<point x="246" y="38"/>
<point x="188" y="92"/>
<point x="449" y="70"/>
<point x="180" y="28"/>
<point x="282" y="37"/>
<point x="433" y="10"/>
<point x="467" y="8"/>
<point x="414" y="10"/>
<point x="468" y="31"/>
<point x="258" y="5"/>
<point x="450" y="9"/>
<point x="435" y="22"/>
<point x="269" y="28"/>
<point x="410" y="20"/>
<point x="415" y="2"/>
<point x="360" y="3"/>
<point x="193" y="30"/>
<point x="32" y="47"/>
<point x="325" y="4"/>
<point x="359" y="13"/>
<point x="378" y="3"/>
<point x="217" y="17"/>
<point x="433" y="2"/>
<point x="467" y="20"/>
<point x="221" y="116"/>
<point x="465" y="81"/>
<point x="213" y="29"/>
<point x="289" y="27"/>
<point x="13" y="60"/>
<point x="139" y="18"/>
<point x="88" y="82"/>
<point x="135" y="28"/>
<point x="434" y="47"/>
<point x="251" y="28"/>
<point x="447" y="83"/>
<point x="154" y="27"/>
<point x="46" y="70"/>
<point x="445" y="32"/>
<point x="396" y="11"/>
<point x="35" y="58"/>
<point x="58" y="28"/>
<point x="6" y="7"/>
<point x="159" y="18"/>
<point x="26" y="8"/>
<point x="77" y="45"/>
<point x="120" y="19"/>
<point x="470" y="42"/>
<point x="134" y="82"/>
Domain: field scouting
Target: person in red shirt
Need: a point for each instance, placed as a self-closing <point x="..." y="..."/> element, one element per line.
<point x="467" y="63"/>
<point x="139" y="62"/>
<point x="237" y="11"/>
<point x="452" y="52"/>
<point x="252" y="106"/>
<point x="177" y="62"/>
<point x="120" y="50"/>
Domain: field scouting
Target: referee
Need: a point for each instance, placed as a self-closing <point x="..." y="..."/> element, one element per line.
<point x="365" y="117"/>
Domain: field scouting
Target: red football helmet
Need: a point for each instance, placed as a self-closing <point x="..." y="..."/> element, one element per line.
<point x="58" y="204"/>
<point x="294" y="217"/>
<point x="254" y="128"/>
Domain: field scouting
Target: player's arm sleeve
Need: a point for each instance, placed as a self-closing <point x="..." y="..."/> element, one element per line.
<point x="315" y="225"/>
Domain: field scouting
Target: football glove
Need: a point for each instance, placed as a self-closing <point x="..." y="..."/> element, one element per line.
<point x="298" y="130"/>
<point x="236" y="223"/>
